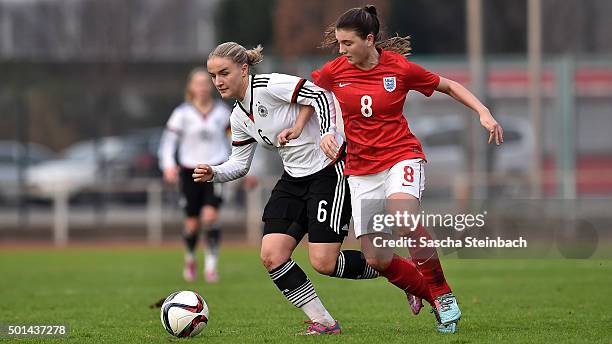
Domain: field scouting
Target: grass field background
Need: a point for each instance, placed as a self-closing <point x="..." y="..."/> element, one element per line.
<point x="103" y="295"/>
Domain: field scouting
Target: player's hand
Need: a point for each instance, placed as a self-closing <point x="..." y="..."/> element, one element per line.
<point x="289" y="134"/>
<point x="495" y="130"/>
<point x="202" y="173"/>
<point x="329" y="145"/>
<point x="171" y="175"/>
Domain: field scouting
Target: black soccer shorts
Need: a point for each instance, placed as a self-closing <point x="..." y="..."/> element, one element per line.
<point x="196" y="195"/>
<point x="319" y="204"/>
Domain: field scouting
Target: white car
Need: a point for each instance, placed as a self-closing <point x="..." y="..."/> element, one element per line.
<point x="81" y="168"/>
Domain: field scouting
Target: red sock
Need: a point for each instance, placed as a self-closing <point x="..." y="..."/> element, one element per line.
<point x="428" y="263"/>
<point x="403" y="274"/>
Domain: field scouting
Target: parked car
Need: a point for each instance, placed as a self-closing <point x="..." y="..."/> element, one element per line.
<point x="144" y="144"/>
<point x="82" y="166"/>
<point x="10" y="154"/>
<point x="86" y="166"/>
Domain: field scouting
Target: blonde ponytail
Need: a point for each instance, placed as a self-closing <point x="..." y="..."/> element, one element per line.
<point x="238" y="53"/>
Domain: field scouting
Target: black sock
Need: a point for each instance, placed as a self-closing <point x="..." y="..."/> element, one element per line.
<point x="213" y="238"/>
<point x="293" y="283"/>
<point x="191" y="239"/>
<point x="352" y="264"/>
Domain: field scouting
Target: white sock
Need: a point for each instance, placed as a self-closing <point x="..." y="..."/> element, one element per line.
<point x="317" y="312"/>
<point x="189" y="257"/>
<point x="210" y="261"/>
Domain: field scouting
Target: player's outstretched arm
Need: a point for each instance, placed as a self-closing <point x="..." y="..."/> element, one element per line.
<point x="304" y="115"/>
<point x="467" y="98"/>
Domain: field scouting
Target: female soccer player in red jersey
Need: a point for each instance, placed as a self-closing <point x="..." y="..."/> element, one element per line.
<point x="385" y="160"/>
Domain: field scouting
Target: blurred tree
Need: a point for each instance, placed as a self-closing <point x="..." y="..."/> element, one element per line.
<point x="246" y="22"/>
<point x="505" y="26"/>
<point x="435" y="26"/>
<point x="568" y="26"/>
<point x="299" y="25"/>
<point x="577" y="26"/>
<point x="88" y="67"/>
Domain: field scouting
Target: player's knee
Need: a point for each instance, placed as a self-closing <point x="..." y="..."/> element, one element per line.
<point x="192" y="225"/>
<point x="272" y="260"/>
<point x="322" y="265"/>
<point x="209" y="215"/>
<point x="379" y="264"/>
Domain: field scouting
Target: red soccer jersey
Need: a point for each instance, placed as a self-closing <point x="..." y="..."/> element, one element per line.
<point x="372" y="103"/>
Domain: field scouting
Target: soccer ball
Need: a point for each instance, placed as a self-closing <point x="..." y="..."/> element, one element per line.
<point x="184" y="314"/>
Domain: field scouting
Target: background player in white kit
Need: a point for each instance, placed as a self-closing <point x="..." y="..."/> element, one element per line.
<point x="197" y="129"/>
<point x="311" y="196"/>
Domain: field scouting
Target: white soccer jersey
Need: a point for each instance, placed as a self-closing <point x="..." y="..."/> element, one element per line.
<point x="269" y="106"/>
<point x="199" y="138"/>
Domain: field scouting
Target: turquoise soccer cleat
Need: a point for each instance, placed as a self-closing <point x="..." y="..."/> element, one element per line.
<point x="445" y="328"/>
<point x="447" y="309"/>
<point x="448" y="328"/>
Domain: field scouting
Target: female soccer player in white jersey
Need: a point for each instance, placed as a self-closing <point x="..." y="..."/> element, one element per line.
<point x="198" y="130"/>
<point x="310" y="197"/>
<point x="384" y="159"/>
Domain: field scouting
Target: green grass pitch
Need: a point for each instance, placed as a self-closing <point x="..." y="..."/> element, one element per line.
<point x="103" y="295"/>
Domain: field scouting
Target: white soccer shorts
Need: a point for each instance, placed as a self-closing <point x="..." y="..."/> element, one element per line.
<point x="368" y="192"/>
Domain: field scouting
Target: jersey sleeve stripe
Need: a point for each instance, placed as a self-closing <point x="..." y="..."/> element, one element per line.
<point x="260" y="81"/>
<point x="299" y="86"/>
<point x="243" y="143"/>
<point x="322" y="104"/>
<point x="321" y="107"/>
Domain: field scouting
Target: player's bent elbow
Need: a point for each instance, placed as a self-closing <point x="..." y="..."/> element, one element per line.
<point x="243" y="172"/>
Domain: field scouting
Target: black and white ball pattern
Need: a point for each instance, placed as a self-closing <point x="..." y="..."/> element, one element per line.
<point x="184" y="314"/>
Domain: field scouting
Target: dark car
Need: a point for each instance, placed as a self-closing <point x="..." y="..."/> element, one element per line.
<point x="11" y="152"/>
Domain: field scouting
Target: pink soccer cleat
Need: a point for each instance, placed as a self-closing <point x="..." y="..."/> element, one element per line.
<point x="211" y="276"/>
<point x="318" y="329"/>
<point x="415" y="302"/>
<point x="189" y="272"/>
